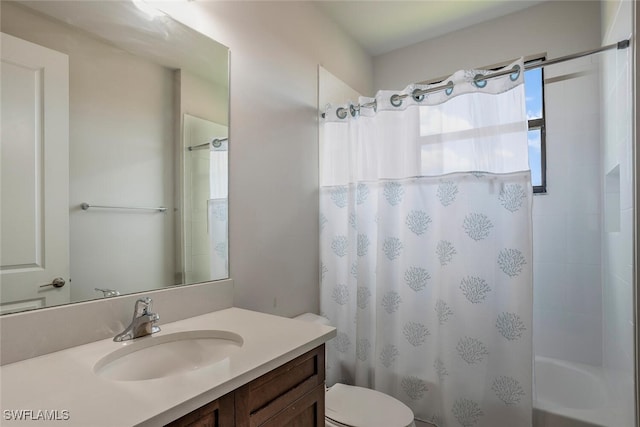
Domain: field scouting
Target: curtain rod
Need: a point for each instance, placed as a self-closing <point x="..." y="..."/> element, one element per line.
<point x="86" y="206"/>
<point x="396" y="99"/>
<point x="216" y="142"/>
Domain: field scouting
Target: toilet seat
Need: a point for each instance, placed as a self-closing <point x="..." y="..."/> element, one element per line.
<point x="361" y="407"/>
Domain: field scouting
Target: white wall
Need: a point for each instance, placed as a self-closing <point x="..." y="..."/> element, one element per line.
<point x="203" y="98"/>
<point x="555" y="27"/>
<point x="566" y="221"/>
<point x="120" y="154"/>
<point x="273" y="214"/>
<point x="617" y="253"/>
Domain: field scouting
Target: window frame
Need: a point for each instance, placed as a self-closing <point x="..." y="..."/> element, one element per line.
<point x="533" y="124"/>
<point x="540" y="124"/>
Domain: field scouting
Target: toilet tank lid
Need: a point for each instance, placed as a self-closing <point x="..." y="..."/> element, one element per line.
<point x="358" y="406"/>
<point x="313" y="318"/>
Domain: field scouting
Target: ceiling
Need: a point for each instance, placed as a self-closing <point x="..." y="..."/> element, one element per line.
<point x="382" y="26"/>
<point x="136" y="30"/>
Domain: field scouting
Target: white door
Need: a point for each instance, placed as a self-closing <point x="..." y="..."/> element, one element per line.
<point x="34" y="175"/>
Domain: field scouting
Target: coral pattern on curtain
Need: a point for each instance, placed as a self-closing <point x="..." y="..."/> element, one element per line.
<point x="426" y="250"/>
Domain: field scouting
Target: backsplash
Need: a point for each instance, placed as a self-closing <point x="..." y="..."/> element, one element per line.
<point x="35" y="333"/>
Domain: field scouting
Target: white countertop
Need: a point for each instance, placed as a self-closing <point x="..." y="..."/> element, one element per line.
<point x="65" y="381"/>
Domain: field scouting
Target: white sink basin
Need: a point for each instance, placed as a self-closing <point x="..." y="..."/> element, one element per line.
<point x="165" y="355"/>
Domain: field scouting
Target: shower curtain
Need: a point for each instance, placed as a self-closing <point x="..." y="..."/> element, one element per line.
<point x="218" y="208"/>
<point x="425" y="235"/>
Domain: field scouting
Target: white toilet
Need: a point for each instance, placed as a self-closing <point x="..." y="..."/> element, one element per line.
<point x="351" y="406"/>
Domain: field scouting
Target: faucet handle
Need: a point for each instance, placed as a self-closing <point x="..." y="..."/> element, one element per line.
<point x="142" y="307"/>
<point x="143" y="323"/>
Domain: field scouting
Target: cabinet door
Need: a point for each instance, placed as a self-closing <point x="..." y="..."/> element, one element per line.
<point x="219" y="413"/>
<point x="308" y="411"/>
<point x="265" y="397"/>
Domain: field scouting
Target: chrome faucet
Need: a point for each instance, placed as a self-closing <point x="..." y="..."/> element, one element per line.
<point x="143" y="322"/>
<point x="108" y="293"/>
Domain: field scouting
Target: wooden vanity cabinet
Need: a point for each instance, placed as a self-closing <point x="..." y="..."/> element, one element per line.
<point x="219" y="413"/>
<point x="291" y="395"/>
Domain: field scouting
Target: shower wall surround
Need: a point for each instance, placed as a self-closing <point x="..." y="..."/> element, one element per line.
<point x="617" y="248"/>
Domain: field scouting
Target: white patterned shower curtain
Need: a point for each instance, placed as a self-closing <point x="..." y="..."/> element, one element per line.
<point x="426" y="250"/>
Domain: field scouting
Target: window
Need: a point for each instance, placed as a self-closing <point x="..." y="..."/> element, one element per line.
<point x="534" y="94"/>
<point x="433" y="124"/>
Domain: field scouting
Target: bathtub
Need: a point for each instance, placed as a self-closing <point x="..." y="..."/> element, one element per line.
<point x="569" y="394"/>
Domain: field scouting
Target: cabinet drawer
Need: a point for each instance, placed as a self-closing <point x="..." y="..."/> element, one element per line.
<point x="308" y="411"/>
<point x="219" y="413"/>
<point x="273" y="392"/>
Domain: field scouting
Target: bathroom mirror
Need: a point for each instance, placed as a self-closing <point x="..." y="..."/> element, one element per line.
<point x="114" y="152"/>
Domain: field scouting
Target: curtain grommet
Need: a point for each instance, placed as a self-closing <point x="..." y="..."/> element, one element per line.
<point x="479" y="81"/>
<point x="516" y="73"/>
<point x="355" y="111"/>
<point x="449" y="89"/>
<point x="395" y="100"/>
<point x="417" y="96"/>
<point x="341" y="113"/>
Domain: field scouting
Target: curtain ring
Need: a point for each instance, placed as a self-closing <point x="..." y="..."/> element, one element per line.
<point x="395" y="100"/>
<point x="341" y="113"/>
<point x="418" y="97"/>
<point x="449" y="89"/>
<point x="479" y="81"/>
<point x="355" y="111"/>
<point x="375" y="105"/>
<point x="516" y="73"/>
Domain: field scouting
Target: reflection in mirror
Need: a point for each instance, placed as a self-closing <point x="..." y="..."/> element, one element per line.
<point x="100" y="194"/>
<point x="205" y="200"/>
